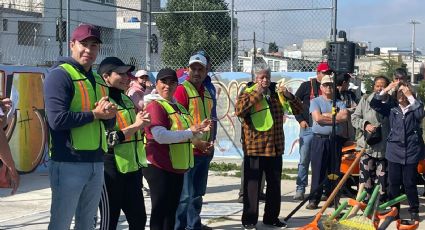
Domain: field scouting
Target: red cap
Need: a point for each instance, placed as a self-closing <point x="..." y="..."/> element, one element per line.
<point x="85" y="31"/>
<point x="323" y="67"/>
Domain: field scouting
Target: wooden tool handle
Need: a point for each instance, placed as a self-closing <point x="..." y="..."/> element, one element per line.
<point x="342" y="181"/>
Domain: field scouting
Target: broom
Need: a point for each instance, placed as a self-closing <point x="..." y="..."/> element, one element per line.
<point x="314" y="224"/>
<point x="363" y="222"/>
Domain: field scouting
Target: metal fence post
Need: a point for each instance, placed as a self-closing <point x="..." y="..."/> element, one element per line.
<point x="148" y="35"/>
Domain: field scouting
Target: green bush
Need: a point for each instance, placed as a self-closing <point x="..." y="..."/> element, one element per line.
<point x="223" y="167"/>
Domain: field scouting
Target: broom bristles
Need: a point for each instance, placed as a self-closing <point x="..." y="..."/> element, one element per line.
<point x="357" y="222"/>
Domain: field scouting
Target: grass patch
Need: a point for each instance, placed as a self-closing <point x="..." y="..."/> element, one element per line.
<point x="218" y="219"/>
<point x="290" y="170"/>
<point x="287" y="177"/>
<point x="223" y="167"/>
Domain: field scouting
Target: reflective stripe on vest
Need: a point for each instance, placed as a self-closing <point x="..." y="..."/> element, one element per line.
<point x="130" y="154"/>
<point x="199" y="109"/>
<point x="181" y="154"/>
<point x="261" y="116"/>
<point x="90" y="136"/>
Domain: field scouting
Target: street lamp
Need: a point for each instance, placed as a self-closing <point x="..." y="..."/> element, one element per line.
<point x="414" y="23"/>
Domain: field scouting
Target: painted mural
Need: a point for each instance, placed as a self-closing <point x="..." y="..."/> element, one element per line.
<point x="28" y="134"/>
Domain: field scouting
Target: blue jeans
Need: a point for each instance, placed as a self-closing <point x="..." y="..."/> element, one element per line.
<point x="306" y="135"/>
<point x="76" y="189"/>
<point x="194" y="187"/>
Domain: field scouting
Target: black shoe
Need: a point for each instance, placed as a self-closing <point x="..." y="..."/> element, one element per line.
<point x="414" y="216"/>
<point x="277" y="224"/>
<point x="262" y="197"/>
<point x="324" y="198"/>
<point x="312" y="206"/>
<point x="248" y="226"/>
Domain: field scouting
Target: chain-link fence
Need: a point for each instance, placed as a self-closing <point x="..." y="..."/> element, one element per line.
<point x="289" y="35"/>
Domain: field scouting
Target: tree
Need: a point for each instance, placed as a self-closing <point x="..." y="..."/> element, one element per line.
<point x="183" y="34"/>
<point x="389" y="66"/>
<point x="368" y="82"/>
<point x="273" y="48"/>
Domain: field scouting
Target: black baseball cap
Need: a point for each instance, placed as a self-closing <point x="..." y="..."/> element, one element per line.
<point x="114" y="64"/>
<point x="167" y="73"/>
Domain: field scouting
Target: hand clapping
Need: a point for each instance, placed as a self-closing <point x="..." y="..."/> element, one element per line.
<point x="104" y="109"/>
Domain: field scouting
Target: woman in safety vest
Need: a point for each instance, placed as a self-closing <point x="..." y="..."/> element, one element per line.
<point x="168" y="149"/>
<point x="126" y="152"/>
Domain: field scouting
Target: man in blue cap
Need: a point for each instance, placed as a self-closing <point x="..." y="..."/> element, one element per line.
<point x="197" y="86"/>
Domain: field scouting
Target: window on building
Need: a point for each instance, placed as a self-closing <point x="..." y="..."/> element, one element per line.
<point x="5" y="22"/>
<point x="112" y="2"/>
<point x="276" y="66"/>
<point x="240" y="64"/>
<point x="270" y="64"/>
<point x="29" y="33"/>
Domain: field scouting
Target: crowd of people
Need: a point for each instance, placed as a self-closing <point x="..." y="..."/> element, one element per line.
<point x="109" y="129"/>
<point x="386" y="123"/>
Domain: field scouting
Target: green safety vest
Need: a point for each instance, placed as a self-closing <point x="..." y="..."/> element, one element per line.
<point x="130" y="154"/>
<point x="261" y="116"/>
<point x="181" y="154"/>
<point x="90" y="136"/>
<point x="199" y="109"/>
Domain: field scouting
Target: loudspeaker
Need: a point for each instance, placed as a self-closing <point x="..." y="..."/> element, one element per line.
<point x="341" y="56"/>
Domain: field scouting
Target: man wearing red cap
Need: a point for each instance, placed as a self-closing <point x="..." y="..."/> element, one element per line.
<point x="306" y="92"/>
<point x="78" y="113"/>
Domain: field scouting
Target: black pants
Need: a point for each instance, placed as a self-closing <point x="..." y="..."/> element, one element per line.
<point x="323" y="163"/>
<point x="253" y="171"/>
<point x="166" y="188"/>
<point x="263" y="182"/>
<point x="121" y="192"/>
<point x="405" y="175"/>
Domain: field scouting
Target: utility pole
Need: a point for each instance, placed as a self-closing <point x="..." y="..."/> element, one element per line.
<point x="60" y="28"/>
<point x="334" y="17"/>
<point x="414" y="23"/>
<point x="254" y="55"/>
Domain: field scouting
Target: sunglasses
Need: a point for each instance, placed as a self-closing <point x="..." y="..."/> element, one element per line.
<point x="327" y="85"/>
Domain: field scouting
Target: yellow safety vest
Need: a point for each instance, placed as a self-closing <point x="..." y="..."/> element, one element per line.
<point x="90" y="136"/>
<point x="181" y="154"/>
<point x="130" y="154"/>
<point x="261" y="116"/>
<point x="199" y="109"/>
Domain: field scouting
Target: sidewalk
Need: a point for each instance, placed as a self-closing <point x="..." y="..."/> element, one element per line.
<point x="29" y="209"/>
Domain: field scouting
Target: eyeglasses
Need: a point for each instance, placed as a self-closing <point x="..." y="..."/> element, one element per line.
<point x="330" y="85"/>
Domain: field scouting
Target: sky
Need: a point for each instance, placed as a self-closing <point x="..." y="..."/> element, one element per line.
<point x="383" y="23"/>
